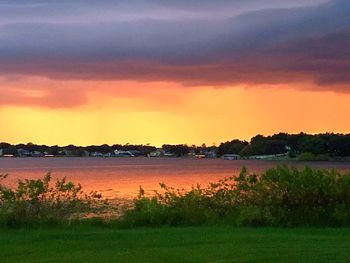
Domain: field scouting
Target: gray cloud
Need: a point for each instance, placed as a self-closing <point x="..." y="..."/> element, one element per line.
<point x="192" y="42"/>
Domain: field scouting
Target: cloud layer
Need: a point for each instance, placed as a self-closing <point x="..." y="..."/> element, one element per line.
<point x="189" y="42"/>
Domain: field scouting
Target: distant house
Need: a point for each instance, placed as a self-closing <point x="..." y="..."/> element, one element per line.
<point x="210" y="154"/>
<point x="135" y="152"/>
<point x="24" y="153"/>
<point x="119" y="153"/>
<point x="168" y="154"/>
<point x="192" y="153"/>
<point x="157" y="153"/>
<point x="268" y="156"/>
<point x="230" y="157"/>
<point x="96" y="154"/>
<point x="85" y="154"/>
<point x="47" y="154"/>
<point x="67" y="152"/>
<point x="37" y="154"/>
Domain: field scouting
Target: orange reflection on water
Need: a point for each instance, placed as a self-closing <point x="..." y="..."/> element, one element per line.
<point x="121" y="177"/>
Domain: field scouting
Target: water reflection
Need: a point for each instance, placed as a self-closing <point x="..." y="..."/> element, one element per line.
<point x="123" y="176"/>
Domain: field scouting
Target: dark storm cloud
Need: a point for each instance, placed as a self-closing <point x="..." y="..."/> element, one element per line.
<point x="192" y="42"/>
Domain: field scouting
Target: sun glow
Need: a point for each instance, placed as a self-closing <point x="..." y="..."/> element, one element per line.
<point x="157" y="113"/>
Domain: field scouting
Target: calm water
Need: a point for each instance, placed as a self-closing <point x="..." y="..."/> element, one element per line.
<point x="123" y="176"/>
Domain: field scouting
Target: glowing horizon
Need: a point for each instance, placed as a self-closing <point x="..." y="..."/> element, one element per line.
<point x="180" y="73"/>
<point x="200" y="115"/>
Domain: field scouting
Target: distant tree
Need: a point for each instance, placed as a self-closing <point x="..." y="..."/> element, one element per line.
<point x="4" y="145"/>
<point x="177" y="150"/>
<point x="281" y="137"/>
<point x="10" y="150"/>
<point x="105" y="148"/>
<point x="312" y="144"/>
<point x="231" y="147"/>
<point x="339" y="145"/>
<point x="247" y="151"/>
<point x="293" y="141"/>
<point x="258" y="147"/>
<point x="320" y="145"/>
<point x="99" y="148"/>
<point x="54" y="150"/>
<point x="275" y="147"/>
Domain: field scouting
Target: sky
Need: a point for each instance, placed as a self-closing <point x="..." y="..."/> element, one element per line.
<point x="159" y="71"/>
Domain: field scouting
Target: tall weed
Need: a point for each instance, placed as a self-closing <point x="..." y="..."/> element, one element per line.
<point x="281" y="196"/>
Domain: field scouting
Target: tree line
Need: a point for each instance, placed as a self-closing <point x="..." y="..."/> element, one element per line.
<point x="302" y="144"/>
<point x="294" y="144"/>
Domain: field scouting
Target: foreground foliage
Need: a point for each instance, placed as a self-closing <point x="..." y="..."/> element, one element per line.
<point x="37" y="202"/>
<point x="281" y="196"/>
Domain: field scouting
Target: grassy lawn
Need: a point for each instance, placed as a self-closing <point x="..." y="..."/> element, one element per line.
<point x="197" y="244"/>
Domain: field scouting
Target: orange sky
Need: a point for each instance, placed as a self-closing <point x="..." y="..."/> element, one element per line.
<point x="95" y="72"/>
<point x="160" y="112"/>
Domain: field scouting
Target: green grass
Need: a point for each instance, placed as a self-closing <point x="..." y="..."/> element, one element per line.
<point x="191" y="244"/>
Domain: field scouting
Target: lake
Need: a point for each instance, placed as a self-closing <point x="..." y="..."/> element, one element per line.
<point x="123" y="176"/>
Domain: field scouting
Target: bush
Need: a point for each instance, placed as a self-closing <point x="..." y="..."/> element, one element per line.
<point x="307" y="156"/>
<point x="281" y="196"/>
<point x="37" y="202"/>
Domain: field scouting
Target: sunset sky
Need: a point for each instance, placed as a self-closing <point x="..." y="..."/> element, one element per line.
<point x="185" y="71"/>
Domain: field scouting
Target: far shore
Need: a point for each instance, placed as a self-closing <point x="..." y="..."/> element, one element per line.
<point x="252" y="158"/>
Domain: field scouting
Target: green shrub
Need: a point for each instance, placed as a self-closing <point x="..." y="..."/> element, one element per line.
<point x="38" y="202"/>
<point x="185" y="209"/>
<point x="307" y="156"/>
<point x="281" y="196"/>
